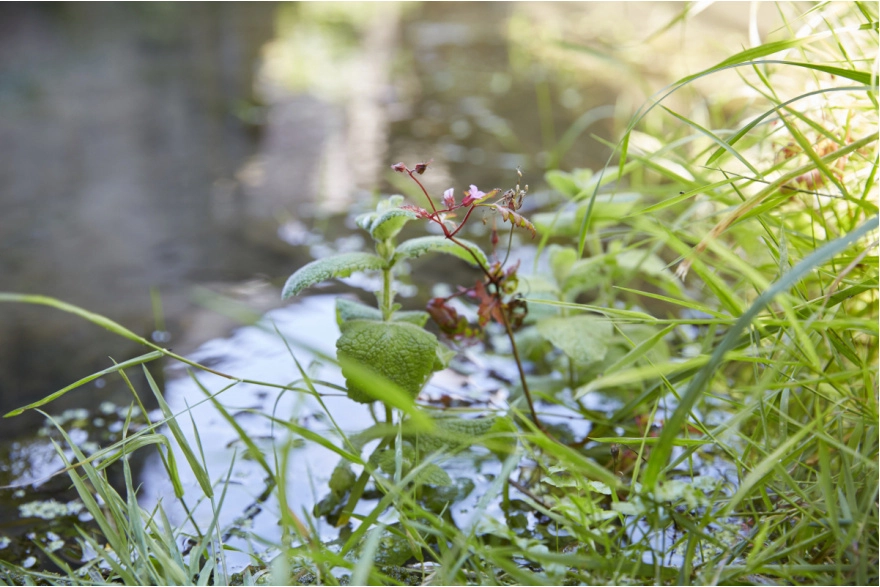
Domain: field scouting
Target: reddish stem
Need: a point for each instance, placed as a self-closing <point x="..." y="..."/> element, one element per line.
<point x="463" y="222"/>
<point x="424" y="191"/>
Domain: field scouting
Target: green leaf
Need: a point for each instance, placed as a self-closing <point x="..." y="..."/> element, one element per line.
<point x="561" y="260"/>
<point x="417" y="317"/>
<point x="389" y="223"/>
<point x="648" y="263"/>
<point x="757" y="120"/>
<point x="584" y="338"/>
<point x="171" y="421"/>
<point x="431" y="474"/>
<point x="562" y="182"/>
<point x="723" y="145"/>
<point x="388" y="219"/>
<point x="426" y="244"/>
<point x="454" y="433"/>
<point x="442" y="356"/>
<point x="341" y="479"/>
<point x="347" y="310"/>
<point x="537" y="288"/>
<point x="323" y="269"/>
<point x="607" y="208"/>
<point x="386" y="459"/>
<point x="583" y="275"/>
<point x="401" y="352"/>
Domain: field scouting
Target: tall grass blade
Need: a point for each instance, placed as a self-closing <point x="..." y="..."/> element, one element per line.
<point x="674" y="424"/>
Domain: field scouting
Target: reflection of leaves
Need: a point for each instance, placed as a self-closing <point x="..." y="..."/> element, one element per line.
<point x="584" y="338"/>
<point x="323" y="269"/>
<point x="402" y="352"/>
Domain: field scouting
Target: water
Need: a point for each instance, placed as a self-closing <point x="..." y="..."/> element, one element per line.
<point x="261" y="352"/>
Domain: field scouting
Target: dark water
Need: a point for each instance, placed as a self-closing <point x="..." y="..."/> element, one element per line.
<point x="141" y="151"/>
<point x="116" y="124"/>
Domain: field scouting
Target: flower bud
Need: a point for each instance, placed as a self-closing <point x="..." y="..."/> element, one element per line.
<point x="449" y="198"/>
<point x="422" y="167"/>
<point x="399" y="167"/>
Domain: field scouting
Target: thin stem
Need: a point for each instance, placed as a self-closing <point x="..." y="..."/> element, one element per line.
<point x="474" y="255"/>
<point x="509" y="245"/>
<point x="522" y="373"/>
<point x="387" y="295"/>
<point x="424" y="191"/>
<point x="463" y="222"/>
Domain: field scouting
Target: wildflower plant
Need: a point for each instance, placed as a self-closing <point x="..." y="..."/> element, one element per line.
<point x="395" y="344"/>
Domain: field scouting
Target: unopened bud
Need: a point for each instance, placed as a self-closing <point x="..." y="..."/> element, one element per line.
<point x="422" y="167"/>
<point x="399" y="167"/>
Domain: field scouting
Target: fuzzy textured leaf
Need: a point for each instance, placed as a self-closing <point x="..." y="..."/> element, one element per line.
<point x="426" y="244"/>
<point x="452" y="433"/>
<point x="401" y="352"/>
<point x="386" y="459"/>
<point x="584" y="338"/>
<point x="431" y="474"/>
<point x="389" y="223"/>
<point x="327" y="268"/>
<point x="347" y="310"/>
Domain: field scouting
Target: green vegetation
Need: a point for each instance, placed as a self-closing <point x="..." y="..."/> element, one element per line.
<point x="719" y="283"/>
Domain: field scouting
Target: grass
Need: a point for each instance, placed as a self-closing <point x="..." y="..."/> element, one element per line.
<point x="743" y="445"/>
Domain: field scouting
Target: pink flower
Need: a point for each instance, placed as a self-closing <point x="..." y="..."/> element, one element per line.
<point x="472" y="195"/>
<point x="449" y="198"/>
<point x="399" y="167"/>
